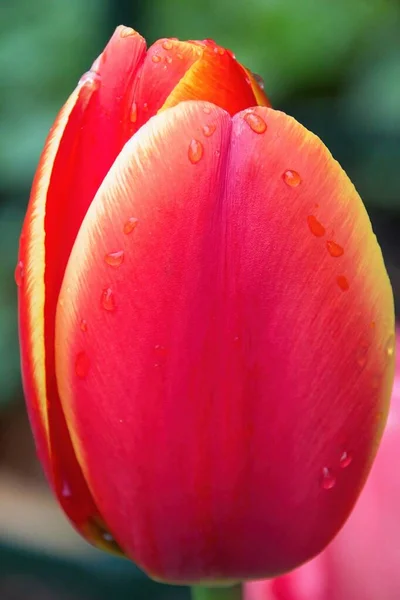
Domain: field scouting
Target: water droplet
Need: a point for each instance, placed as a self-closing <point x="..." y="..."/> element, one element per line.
<point x="145" y="106"/>
<point x="291" y="178"/>
<point x="342" y="282"/>
<point x="83" y="325"/>
<point x="97" y="63"/>
<point x="362" y="355"/>
<point x="255" y="122"/>
<point x="179" y="56"/>
<point x="219" y="50"/>
<point x="206" y="110"/>
<point x="115" y="259"/>
<point x="195" y="151"/>
<point x="328" y="479"/>
<point x="19" y="273"/>
<point x="156" y="58"/>
<point x="130" y="225"/>
<point x="345" y="460"/>
<point x="167" y="45"/>
<point x="66" y="490"/>
<point x="160" y="349"/>
<point x="168" y="59"/>
<point x="315" y="226"/>
<point x="107" y="299"/>
<point x="390" y="346"/>
<point x="127" y="32"/>
<point x="90" y="79"/>
<point x="259" y="80"/>
<point x="334" y="249"/>
<point x="107" y="536"/>
<point x="133" y="115"/>
<point x="208" y="130"/>
<point x="236" y="339"/>
<point x="82" y="365"/>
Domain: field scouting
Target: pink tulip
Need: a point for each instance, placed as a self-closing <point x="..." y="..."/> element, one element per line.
<point x="363" y="561"/>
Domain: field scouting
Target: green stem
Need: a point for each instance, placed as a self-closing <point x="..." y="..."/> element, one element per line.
<point x="200" y="592"/>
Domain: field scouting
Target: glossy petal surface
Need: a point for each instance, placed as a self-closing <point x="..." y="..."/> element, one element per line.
<point x="234" y="355"/>
<point x="351" y="567"/>
<point x="123" y="89"/>
<point x="83" y="143"/>
<point x="175" y="71"/>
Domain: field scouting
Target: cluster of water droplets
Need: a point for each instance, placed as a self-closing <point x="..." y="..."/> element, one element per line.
<point x="329" y="477"/>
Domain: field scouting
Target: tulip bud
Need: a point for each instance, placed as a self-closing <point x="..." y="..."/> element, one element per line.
<point x="205" y="319"/>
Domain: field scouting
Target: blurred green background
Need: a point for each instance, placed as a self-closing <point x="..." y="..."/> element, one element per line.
<point x="334" y="65"/>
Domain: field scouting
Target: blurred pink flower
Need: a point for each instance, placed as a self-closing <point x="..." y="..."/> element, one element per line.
<point x="363" y="561"/>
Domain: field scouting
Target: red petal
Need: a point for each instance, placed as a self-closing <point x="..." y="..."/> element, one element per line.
<point x="177" y="71"/>
<point x="84" y="141"/>
<point x="227" y="372"/>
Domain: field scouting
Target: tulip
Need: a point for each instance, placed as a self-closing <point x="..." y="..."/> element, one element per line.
<point x="206" y="322"/>
<point x="362" y="563"/>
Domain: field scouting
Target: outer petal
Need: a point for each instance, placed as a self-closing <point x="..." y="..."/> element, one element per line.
<point x="83" y="143"/>
<point x="351" y="568"/>
<point x="236" y="358"/>
<point x="87" y="136"/>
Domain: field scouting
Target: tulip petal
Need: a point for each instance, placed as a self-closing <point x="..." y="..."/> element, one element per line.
<point x="176" y="71"/>
<point x="228" y="396"/>
<point x="217" y="77"/>
<point x="85" y="139"/>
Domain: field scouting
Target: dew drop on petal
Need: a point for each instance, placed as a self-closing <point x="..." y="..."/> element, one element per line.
<point x="156" y="58"/>
<point x="255" y="122"/>
<point x="334" y="249"/>
<point x="19" y="273"/>
<point x="66" y="490"/>
<point x="291" y="178"/>
<point x="127" y="32"/>
<point x="97" y="63"/>
<point x="145" y="106"/>
<point x="83" y="325"/>
<point x="82" y="365"/>
<point x="328" y="479"/>
<point x="362" y="356"/>
<point x="315" y="226"/>
<point x="342" y="282"/>
<point x="167" y="45"/>
<point x="179" y="56"/>
<point x="130" y="225"/>
<point x="107" y="536"/>
<point x="168" y="59"/>
<point x="208" y="130"/>
<point x="390" y="346"/>
<point x="345" y="460"/>
<point x="259" y="80"/>
<point x="115" y="259"/>
<point x="90" y="79"/>
<point x="107" y="299"/>
<point x="133" y="115"/>
<point x="160" y="349"/>
<point x="195" y="151"/>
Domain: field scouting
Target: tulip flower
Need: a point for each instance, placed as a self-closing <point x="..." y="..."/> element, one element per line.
<point x="206" y="321"/>
<point x="362" y="563"/>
